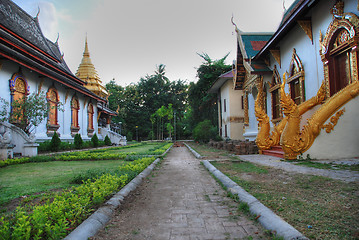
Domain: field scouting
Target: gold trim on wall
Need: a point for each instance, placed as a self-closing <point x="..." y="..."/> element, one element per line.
<point x="245" y="103"/>
<point x="306" y="25"/>
<point x="333" y="121"/>
<point x="276" y="55"/>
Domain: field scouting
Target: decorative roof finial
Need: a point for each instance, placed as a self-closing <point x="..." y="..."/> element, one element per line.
<point x="86" y="51"/>
<point x="57" y="39"/>
<point x="235" y="25"/>
<point x="38" y="13"/>
<point x="284" y="6"/>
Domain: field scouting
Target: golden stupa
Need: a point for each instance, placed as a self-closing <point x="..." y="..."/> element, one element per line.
<point x="87" y="73"/>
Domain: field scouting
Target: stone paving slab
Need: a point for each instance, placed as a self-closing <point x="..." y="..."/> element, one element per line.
<point x="180" y="201"/>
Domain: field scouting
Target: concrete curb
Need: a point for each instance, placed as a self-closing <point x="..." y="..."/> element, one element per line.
<point x="196" y="154"/>
<point x="98" y="219"/>
<point x="267" y="217"/>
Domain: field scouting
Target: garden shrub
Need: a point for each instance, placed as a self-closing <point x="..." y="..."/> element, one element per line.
<point x="94" y="140"/>
<point x="78" y="142"/>
<point x="55" y="142"/>
<point x="108" y="141"/>
<point x="44" y="146"/>
<point x="204" y="131"/>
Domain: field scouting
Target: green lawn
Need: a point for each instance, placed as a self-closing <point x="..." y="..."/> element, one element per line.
<point x="141" y="149"/>
<point x="29" y="178"/>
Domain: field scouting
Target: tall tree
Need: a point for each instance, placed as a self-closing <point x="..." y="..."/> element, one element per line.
<point x="138" y="102"/>
<point x="203" y="103"/>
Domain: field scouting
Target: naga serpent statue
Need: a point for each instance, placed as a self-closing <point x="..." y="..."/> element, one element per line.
<point x="265" y="139"/>
<point x="295" y="141"/>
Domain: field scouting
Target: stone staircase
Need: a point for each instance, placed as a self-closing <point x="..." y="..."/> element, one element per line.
<point x="275" y="151"/>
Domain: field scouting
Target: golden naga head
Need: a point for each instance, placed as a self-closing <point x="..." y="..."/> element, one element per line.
<point x="321" y="94"/>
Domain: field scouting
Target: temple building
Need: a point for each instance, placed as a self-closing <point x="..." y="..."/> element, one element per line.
<point x="233" y="103"/>
<point x="302" y="85"/>
<point x="31" y="63"/>
<point x="230" y="115"/>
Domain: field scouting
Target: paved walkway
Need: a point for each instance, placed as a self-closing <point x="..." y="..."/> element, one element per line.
<point x="275" y="162"/>
<point x="180" y="201"/>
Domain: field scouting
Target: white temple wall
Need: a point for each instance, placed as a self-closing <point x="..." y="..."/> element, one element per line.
<point x="235" y="112"/>
<point x="225" y="114"/>
<point x="341" y="142"/>
<point x="252" y="128"/>
<point x="6" y="72"/>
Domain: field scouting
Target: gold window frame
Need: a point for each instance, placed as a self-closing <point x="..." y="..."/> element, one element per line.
<point x="341" y="21"/>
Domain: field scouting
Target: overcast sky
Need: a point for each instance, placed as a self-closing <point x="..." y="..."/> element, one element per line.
<point x="128" y="38"/>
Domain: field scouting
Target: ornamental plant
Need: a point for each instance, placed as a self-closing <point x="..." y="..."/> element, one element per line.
<point x="108" y="141"/>
<point x="55" y="142"/>
<point x="78" y="142"/>
<point x="94" y="140"/>
<point x="55" y="219"/>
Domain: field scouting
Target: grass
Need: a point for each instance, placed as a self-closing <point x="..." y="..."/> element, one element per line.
<point x="329" y="166"/>
<point x="29" y="178"/>
<point x="319" y="207"/>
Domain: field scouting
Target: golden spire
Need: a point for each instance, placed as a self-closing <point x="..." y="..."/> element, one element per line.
<point x="87" y="73"/>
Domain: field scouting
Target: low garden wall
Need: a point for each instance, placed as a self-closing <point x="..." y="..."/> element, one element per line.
<point x="236" y="146"/>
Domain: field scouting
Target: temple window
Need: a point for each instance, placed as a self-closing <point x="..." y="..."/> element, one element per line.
<point x="90" y="113"/>
<point x="19" y="90"/>
<point x="296" y="79"/>
<point x="52" y="122"/>
<point x="53" y="99"/>
<point x="275" y="95"/>
<point x="295" y="91"/>
<point x="265" y="105"/>
<point x="340" y="66"/>
<point x="339" y="50"/>
<point x="276" y="110"/>
<point x="75" y="107"/>
<point x="90" y="116"/>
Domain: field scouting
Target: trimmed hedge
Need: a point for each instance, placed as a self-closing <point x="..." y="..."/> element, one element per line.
<point x="76" y="156"/>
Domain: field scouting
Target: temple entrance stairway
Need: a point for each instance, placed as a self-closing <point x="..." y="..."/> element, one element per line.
<point x="275" y="151"/>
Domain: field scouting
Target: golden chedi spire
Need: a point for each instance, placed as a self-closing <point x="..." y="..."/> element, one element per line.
<point x="87" y="73"/>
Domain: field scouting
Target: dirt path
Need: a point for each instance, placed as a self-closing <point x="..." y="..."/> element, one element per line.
<point x="180" y="200"/>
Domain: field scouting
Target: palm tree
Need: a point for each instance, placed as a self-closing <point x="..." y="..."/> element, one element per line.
<point x="160" y="72"/>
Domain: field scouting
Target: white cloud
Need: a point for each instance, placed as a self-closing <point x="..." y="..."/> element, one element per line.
<point x="48" y="20"/>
